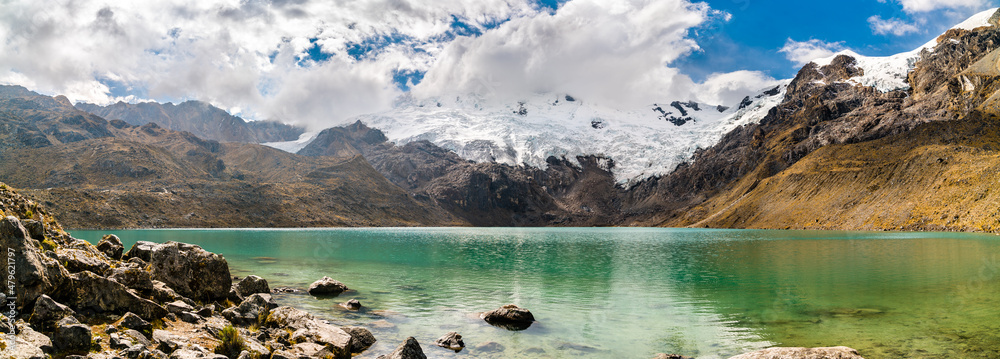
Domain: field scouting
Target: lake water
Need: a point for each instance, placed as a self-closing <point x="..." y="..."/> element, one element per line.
<point x="631" y="293"/>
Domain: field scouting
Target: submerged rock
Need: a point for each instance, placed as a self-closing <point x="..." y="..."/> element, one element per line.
<point x="452" y="341"/>
<point x="802" y="353"/>
<point x="509" y="317"/>
<point x="670" y="356"/>
<point x="409" y="349"/>
<point x="327" y="286"/>
<point x="352" y="304"/>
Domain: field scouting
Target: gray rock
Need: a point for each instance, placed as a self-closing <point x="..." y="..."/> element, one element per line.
<point x="79" y="260"/>
<point x="132" y="321"/>
<point x="136" y="338"/>
<point x="191" y="354"/>
<point x="509" y="317"/>
<point x="191" y="271"/>
<point x="206" y="311"/>
<point x="142" y="250"/>
<point x="802" y="353"/>
<point x="71" y="336"/>
<point x="35" y="229"/>
<point x="281" y="354"/>
<point x="452" y="341"/>
<point x="111" y="246"/>
<point x="327" y="287"/>
<point x="248" y="312"/>
<point x="168" y="342"/>
<point x="133" y="276"/>
<point x="251" y="285"/>
<point x="99" y="294"/>
<point x="178" y="306"/>
<point x="47" y="312"/>
<point x="361" y="338"/>
<point x="29" y="344"/>
<point x="308" y="328"/>
<point x="409" y="349"/>
<point x="36" y="274"/>
<point x="352" y="304"/>
<point x="164" y="293"/>
<point x="189" y="317"/>
<point x="670" y="356"/>
<point x="115" y="341"/>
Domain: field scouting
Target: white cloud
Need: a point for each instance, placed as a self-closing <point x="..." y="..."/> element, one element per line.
<point x="730" y="88"/>
<point x="913" y="6"/>
<point x="253" y="54"/>
<point x="892" y="26"/>
<point x="803" y="52"/>
<point x="614" y="51"/>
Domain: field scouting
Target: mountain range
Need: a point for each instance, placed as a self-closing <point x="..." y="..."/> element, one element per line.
<point x="852" y="142"/>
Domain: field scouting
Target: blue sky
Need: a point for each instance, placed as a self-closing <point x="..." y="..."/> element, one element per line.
<point x="758" y="29"/>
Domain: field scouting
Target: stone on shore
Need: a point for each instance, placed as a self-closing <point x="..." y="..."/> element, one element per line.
<point x="251" y="285"/>
<point x="361" y="338"/>
<point x="111" y="246"/>
<point x="452" y="341"/>
<point x="71" y="336"/>
<point x="509" y="317"/>
<point x="191" y="271"/>
<point x="79" y="260"/>
<point x="47" y="312"/>
<point x="307" y="328"/>
<point x="141" y="249"/>
<point x="409" y="349"/>
<point x="252" y="308"/>
<point x="132" y="321"/>
<point x="327" y="287"/>
<point x="98" y="294"/>
<point x="36" y="274"/>
<point x="802" y="353"/>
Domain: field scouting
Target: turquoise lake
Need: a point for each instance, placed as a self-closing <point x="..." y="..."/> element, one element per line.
<point x="631" y="293"/>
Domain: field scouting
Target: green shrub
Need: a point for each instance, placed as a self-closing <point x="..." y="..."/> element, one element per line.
<point x="231" y="343"/>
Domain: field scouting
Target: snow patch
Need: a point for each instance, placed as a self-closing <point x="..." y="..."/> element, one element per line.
<point x="642" y="142"/>
<point x="294" y="146"/>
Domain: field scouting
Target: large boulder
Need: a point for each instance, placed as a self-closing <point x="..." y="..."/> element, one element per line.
<point x="141" y="249"/>
<point x="361" y="338"/>
<point x="409" y="349"/>
<point x="36" y="274"/>
<point x="79" y="260"/>
<point x="71" y="336"/>
<point x="191" y="271"/>
<point x="802" y="353"/>
<point x="133" y="276"/>
<point x="28" y="344"/>
<point x="327" y="287"/>
<point x="99" y="295"/>
<point x="111" y="246"/>
<point x="307" y="328"/>
<point x="132" y="321"/>
<point x="250" y="309"/>
<point x="509" y="317"/>
<point x="47" y="312"/>
<point x="251" y="285"/>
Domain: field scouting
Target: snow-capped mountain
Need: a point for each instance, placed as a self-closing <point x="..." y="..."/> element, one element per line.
<point x="888" y="73"/>
<point x="642" y="142"/>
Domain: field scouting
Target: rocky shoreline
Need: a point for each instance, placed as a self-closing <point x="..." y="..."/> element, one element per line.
<point x="68" y="298"/>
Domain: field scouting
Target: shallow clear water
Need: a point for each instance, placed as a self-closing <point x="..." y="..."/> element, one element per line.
<point x="631" y="293"/>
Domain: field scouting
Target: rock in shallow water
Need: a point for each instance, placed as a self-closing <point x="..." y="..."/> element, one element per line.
<point x="509" y="317"/>
<point x="410" y="349"/>
<point x="361" y="338"/>
<point x="802" y="353"/>
<point x="327" y="286"/>
<point x="452" y="341"/>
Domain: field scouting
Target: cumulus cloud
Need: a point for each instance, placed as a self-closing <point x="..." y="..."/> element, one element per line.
<point x="913" y="6"/>
<point x="731" y="88"/>
<point x="318" y="63"/>
<point x="892" y="26"/>
<point x="802" y="52"/>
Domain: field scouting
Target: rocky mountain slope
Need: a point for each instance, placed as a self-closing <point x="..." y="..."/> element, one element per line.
<point x="839" y="155"/>
<point x="112" y="174"/>
<point x="199" y="118"/>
